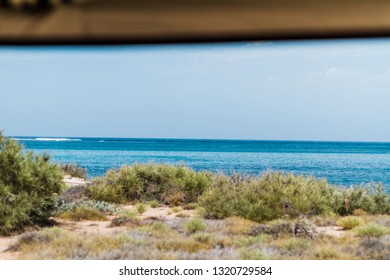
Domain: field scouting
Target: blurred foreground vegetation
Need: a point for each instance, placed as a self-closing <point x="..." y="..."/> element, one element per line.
<point x="29" y="187"/>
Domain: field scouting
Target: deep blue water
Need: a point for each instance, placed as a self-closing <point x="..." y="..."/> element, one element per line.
<point x="341" y="163"/>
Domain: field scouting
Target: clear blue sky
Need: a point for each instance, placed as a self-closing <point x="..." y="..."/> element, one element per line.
<point x="314" y="90"/>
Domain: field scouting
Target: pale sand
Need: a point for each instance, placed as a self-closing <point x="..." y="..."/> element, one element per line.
<point x="74" y="181"/>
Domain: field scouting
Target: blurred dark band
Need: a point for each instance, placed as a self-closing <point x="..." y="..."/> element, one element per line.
<point x="122" y="22"/>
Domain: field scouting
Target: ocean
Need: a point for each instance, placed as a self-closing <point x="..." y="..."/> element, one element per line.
<point x="341" y="163"/>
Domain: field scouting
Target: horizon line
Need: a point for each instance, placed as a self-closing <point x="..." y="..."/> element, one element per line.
<point x="200" y="139"/>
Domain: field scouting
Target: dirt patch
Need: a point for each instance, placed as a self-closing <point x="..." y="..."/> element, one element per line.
<point x="5" y="243"/>
<point x="333" y="231"/>
<point x="74" y="181"/>
<point x="163" y="212"/>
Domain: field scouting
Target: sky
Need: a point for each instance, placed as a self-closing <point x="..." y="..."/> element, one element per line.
<point x="335" y="90"/>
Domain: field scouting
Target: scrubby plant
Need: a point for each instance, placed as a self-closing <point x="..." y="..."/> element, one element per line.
<point x="176" y="209"/>
<point x="245" y="241"/>
<point x="29" y="187"/>
<point x="74" y="170"/>
<point x="191" y="206"/>
<point x="101" y="206"/>
<point x="169" y="184"/>
<point x="141" y="208"/>
<point x="252" y="254"/>
<point x="194" y="225"/>
<point x="182" y="215"/>
<point x="277" y="195"/>
<point x="370" y="199"/>
<point x="126" y="221"/>
<point x="294" y="244"/>
<point x="154" y="203"/>
<point x="203" y="237"/>
<point x="349" y="222"/>
<point x="271" y="196"/>
<point x="372" y="230"/>
<point x="83" y="213"/>
<point x="102" y="192"/>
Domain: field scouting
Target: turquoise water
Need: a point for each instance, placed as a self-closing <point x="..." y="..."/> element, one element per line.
<point x="341" y="163"/>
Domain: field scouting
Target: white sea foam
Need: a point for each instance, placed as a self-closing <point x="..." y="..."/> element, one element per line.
<point x="56" y="139"/>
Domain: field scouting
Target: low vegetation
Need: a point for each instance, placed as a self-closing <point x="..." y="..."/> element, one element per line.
<point x="74" y="170"/>
<point x="29" y="187"/>
<point x="349" y="222"/>
<point x="257" y="198"/>
<point x="194" y="225"/>
<point x="83" y="213"/>
<point x="167" y="184"/>
<point x="276" y="195"/>
<point x="372" y="230"/>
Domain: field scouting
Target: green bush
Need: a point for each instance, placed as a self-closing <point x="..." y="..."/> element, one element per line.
<point x="349" y="222"/>
<point x="277" y="195"/>
<point x="101" y="206"/>
<point x="141" y="208"/>
<point x="29" y="187"/>
<point x="372" y="230"/>
<point x="83" y="213"/>
<point x="169" y="184"/>
<point x="371" y="199"/>
<point x="271" y="196"/>
<point x="194" y="225"/>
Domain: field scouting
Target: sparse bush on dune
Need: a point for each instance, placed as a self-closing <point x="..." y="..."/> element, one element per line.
<point x="371" y="199"/>
<point x="270" y="196"/>
<point x="169" y="184"/>
<point x="29" y="187"/>
<point x="83" y="213"/>
<point x="141" y="208"/>
<point x="277" y="195"/>
<point x="372" y="230"/>
<point x="194" y="225"/>
<point x="349" y="222"/>
<point x="101" y="206"/>
<point x="74" y="170"/>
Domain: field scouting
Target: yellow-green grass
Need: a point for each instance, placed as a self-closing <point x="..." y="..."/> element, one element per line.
<point x="372" y="230"/>
<point x="349" y="222"/>
<point x="195" y="225"/>
<point x="83" y="213"/>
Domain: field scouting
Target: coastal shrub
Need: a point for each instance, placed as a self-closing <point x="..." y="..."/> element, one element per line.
<point x="194" y="225"/>
<point x="72" y="193"/>
<point x="141" y="208"/>
<point x="271" y="196"/>
<point x="29" y="187"/>
<point x="372" y="230"/>
<point x="83" y="213"/>
<point x="169" y="184"/>
<point x="125" y="221"/>
<point x="101" y="206"/>
<point x="371" y="199"/>
<point x="349" y="222"/>
<point x="74" y="170"/>
<point x="294" y="244"/>
<point x="252" y="254"/>
<point x="182" y="215"/>
<point x="277" y="195"/>
<point x="101" y="192"/>
<point x="154" y="203"/>
<point x="203" y="237"/>
<point x="191" y="206"/>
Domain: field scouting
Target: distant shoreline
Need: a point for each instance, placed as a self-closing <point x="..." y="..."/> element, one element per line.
<point x="72" y="138"/>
